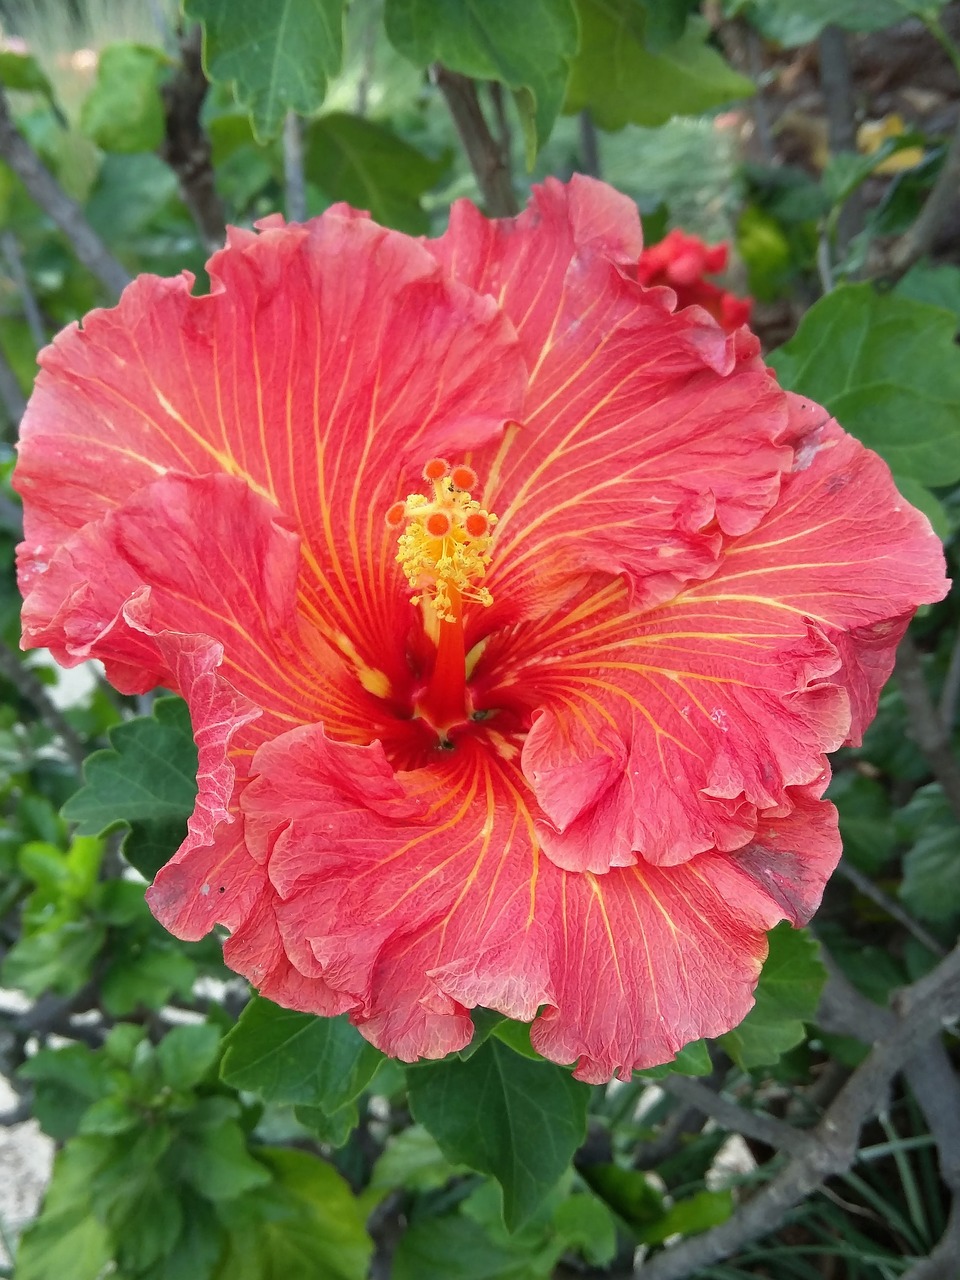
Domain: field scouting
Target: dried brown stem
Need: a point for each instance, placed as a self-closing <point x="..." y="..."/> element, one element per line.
<point x="186" y="147"/>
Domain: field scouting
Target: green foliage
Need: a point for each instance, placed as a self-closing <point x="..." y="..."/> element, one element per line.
<point x="369" y="166"/>
<point x="624" y="80"/>
<point x="147" y="780"/>
<point x="124" y="112"/>
<point x="795" y="22"/>
<point x="527" y="47"/>
<point x="21" y="71"/>
<point x="786" y="997"/>
<point x="278" y="57"/>
<point x="931" y="867"/>
<point x="865" y="819"/>
<point x="888" y="369"/>
<point x="533" y="1119"/>
<point x="320" y="1064"/>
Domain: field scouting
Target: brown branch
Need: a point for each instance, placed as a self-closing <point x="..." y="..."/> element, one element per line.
<point x="918" y="1016"/>
<point x="924" y="724"/>
<point x="490" y="166"/>
<point x="63" y="211"/>
<point x="186" y="147"/>
<point x="736" y="1118"/>
<point x="836" y="84"/>
<point x="863" y="884"/>
<point x="922" y="236"/>
<point x="11" y="397"/>
<point x="31" y="312"/>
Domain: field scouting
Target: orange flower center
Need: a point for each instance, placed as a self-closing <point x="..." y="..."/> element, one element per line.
<point x="444" y="550"/>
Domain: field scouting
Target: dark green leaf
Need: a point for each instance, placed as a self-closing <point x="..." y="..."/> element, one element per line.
<point x="865" y="820"/>
<point x="335" y="1129"/>
<point x="787" y="996"/>
<point x="148" y="976"/>
<point x="22" y="72"/>
<point x="278" y="56"/>
<point x="794" y="22"/>
<point x="65" y="1081"/>
<point x="216" y="1162"/>
<point x="690" y="1216"/>
<point x="623" y="81"/>
<point x="456" y="1248"/>
<point x="67" y="1239"/>
<point x="412" y="1159"/>
<point x="147" y="780"/>
<point x="931" y="867"/>
<point x="888" y="369"/>
<point x="369" y="166"/>
<point x="124" y="112"/>
<point x="692" y="1060"/>
<point x="628" y="1192"/>
<point x="502" y="1114"/>
<point x="527" y="47"/>
<point x="938" y="286"/>
<point x="297" y="1058"/>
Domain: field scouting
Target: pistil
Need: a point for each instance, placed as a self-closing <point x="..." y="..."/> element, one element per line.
<point x="444" y="549"/>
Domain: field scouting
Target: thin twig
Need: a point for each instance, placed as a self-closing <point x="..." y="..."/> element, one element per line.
<point x="294" y="182"/>
<point x="924" y="724"/>
<point x="34" y="692"/>
<point x="186" y="146"/>
<point x="11" y="396"/>
<point x="922" y="235"/>
<point x="836" y="84"/>
<point x="950" y="694"/>
<point x="589" y="144"/>
<point x="738" y="1119"/>
<point x="490" y="166"/>
<point x="865" y="885"/>
<point x="43" y="187"/>
<point x="31" y="312"/>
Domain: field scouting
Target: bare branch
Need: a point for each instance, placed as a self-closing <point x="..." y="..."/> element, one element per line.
<point x="893" y="909"/>
<point x="31" y="312"/>
<point x="589" y="144"/>
<point x="490" y="166"/>
<point x="43" y="187"/>
<point x="922" y="236"/>
<point x="11" y="397"/>
<point x="30" y="688"/>
<point x="186" y="147"/>
<point x="296" y="187"/>
<point x="836" y="84"/>
<point x="738" y="1119"/>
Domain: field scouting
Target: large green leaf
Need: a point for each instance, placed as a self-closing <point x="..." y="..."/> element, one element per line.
<point x="502" y="1114"/>
<point x="147" y="780"/>
<point x="888" y="369"/>
<point x="124" y="111"/>
<point x="67" y="1239"/>
<point x="289" y="1057"/>
<point x="528" y="47"/>
<point x="623" y="81"/>
<point x="369" y="166"/>
<point x="787" y="996"/>
<point x="278" y="56"/>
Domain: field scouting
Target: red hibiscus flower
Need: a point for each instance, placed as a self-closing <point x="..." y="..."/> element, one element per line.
<point x="514" y="609"/>
<point x="681" y="261"/>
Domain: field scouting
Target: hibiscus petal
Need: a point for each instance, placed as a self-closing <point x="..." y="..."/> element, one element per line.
<point x="651" y="958"/>
<point x="720" y="701"/>
<point x="640" y="428"/>
<point x="327" y="363"/>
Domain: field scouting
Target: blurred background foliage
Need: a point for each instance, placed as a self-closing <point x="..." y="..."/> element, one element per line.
<point x="200" y="1134"/>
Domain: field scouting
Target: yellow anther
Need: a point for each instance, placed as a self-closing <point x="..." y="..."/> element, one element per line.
<point x="444" y="549"/>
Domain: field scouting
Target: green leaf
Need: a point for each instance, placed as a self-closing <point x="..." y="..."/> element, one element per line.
<point x="186" y="1054"/>
<point x="623" y="81"/>
<point x="865" y="819"/>
<point x="335" y="1129"/>
<point x="939" y="286"/>
<point x="794" y="22"/>
<point x="931" y="867"/>
<point x="501" y="1114"/>
<point x="692" y="1060"/>
<point x="290" y="1057"/>
<point x="628" y="1192"/>
<point x="57" y="959"/>
<point x="454" y="1247"/>
<point x="67" y="1239"/>
<point x="65" y="1081"/>
<point x="147" y="974"/>
<point x="277" y="56"/>
<point x="888" y="369"/>
<point x="216" y="1162"/>
<point x="412" y="1159"/>
<point x="787" y="996"/>
<point x="583" y="1222"/>
<point x="22" y="72"/>
<point x="124" y="111"/>
<point x="306" y="1223"/>
<point x="147" y="780"/>
<point x="528" y="47"/>
<point x="688" y="1217"/>
<point x="369" y="166"/>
